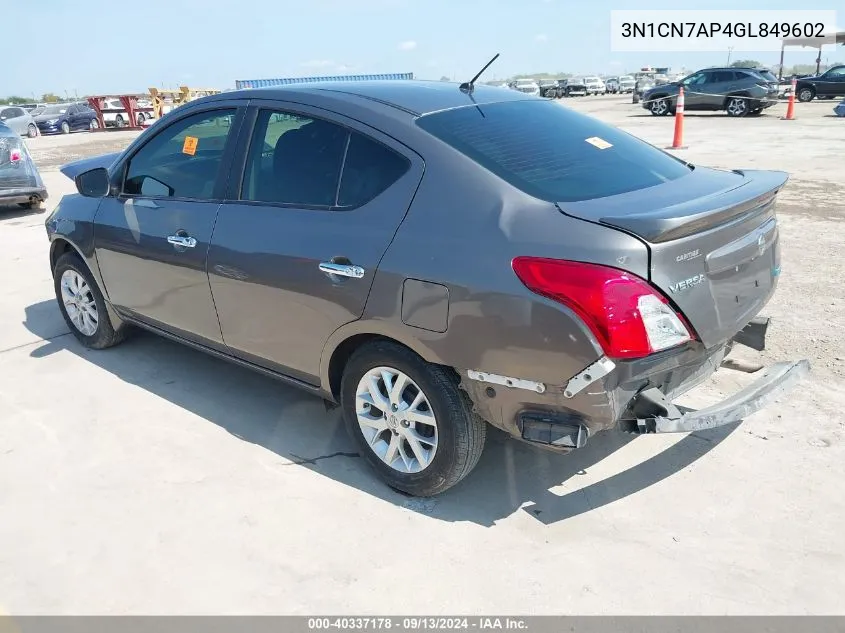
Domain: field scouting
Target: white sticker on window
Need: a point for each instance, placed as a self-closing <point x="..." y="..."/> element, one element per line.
<point x="598" y="142"/>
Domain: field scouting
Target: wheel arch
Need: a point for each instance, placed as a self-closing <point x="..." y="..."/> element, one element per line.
<point x="349" y="338"/>
<point x="736" y="93"/>
<point x="59" y="247"/>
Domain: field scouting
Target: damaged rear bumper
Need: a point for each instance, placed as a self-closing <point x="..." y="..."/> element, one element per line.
<point x="666" y="417"/>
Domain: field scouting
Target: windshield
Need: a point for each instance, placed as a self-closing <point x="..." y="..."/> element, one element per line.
<point x="55" y="110"/>
<point x="767" y="75"/>
<point x="626" y="78"/>
<point x="592" y="80"/>
<point x="570" y="156"/>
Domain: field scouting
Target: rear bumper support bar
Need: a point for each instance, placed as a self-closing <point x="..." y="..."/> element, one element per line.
<point x="776" y="380"/>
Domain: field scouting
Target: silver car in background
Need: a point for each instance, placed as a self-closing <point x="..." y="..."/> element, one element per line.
<point x="528" y="86"/>
<point x="18" y="120"/>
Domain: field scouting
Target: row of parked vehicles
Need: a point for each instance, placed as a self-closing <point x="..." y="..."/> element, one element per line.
<point x="63" y="118"/>
<point x="736" y="90"/>
<point x="574" y="86"/>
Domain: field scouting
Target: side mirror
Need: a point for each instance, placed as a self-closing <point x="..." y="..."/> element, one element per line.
<point x="93" y="183"/>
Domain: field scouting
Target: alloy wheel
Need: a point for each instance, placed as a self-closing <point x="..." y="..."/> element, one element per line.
<point x="659" y="107"/>
<point x="396" y="419"/>
<point x="737" y="107"/>
<point x="79" y="303"/>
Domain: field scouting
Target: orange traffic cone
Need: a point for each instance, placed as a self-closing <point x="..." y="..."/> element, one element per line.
<point x="790" y="107"/>
<point x="678" y="140"/>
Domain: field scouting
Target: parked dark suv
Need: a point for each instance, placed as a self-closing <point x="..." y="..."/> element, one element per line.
<point x="829" y="84"/>
<point x="738" y="91"/>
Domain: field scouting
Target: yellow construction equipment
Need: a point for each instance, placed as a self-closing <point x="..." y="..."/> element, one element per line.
<point x="166" y="100"/>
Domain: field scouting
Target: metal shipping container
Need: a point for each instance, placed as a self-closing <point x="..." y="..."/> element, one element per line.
<point x="263" y="83"/>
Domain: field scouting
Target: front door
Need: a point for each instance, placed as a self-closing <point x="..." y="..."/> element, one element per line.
<point x="152" y="238"/>
<point x="831" y="83"/>
<point x="295" y="251"/>
<point x="695" y="95"/>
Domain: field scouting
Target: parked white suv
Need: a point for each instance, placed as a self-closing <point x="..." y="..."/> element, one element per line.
<point x="528" y="86"/>
<point x="595" y="86"/>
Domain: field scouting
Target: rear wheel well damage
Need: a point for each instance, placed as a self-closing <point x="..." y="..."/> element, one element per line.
<point x="343" y="352"/>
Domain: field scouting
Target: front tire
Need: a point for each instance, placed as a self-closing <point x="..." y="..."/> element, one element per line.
<point x="660" y="106"/>
<point x="82" y="304"/>
<point x="410" y="419"/>
<point x="65" y="127"/>
<point x="118" y="121"/>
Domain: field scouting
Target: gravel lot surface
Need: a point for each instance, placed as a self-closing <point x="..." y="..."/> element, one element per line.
<point x="152" y="479"/>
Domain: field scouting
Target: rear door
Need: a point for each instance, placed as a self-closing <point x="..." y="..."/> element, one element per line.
<point x="152" y="236"/>
<point x="314" y="204"/>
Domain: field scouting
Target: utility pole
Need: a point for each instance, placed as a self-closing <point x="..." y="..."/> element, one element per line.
<point x="730" y="50"/>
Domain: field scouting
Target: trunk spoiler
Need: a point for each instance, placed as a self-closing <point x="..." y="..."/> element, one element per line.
<point x="704" y="199"/>
<point x="72" y="170"/>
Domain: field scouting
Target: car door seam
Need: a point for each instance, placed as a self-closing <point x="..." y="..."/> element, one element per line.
<point x="208" y="276"/>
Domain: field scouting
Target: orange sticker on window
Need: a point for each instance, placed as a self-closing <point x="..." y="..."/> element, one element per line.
<point x="189" y="147"/>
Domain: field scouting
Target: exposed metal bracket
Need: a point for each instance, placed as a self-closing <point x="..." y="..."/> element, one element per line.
<point x="507" y="381"/>
<point x="601" y="368"/>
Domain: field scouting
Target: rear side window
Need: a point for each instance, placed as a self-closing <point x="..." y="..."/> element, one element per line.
<point x="551" y="152"/>
<point x="370" y="168"/>
<point x="300" y="161"/>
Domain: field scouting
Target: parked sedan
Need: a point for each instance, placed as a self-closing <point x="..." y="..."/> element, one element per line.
<point x="19" y="120"/>
<point x="66" y="118"/>
<point x="399" y="249"/>
<point x="20" y="182"/>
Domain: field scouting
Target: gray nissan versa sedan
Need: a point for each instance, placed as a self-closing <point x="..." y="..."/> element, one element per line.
<point x="432" y="259"/>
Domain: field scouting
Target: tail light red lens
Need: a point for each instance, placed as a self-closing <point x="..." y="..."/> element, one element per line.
<point x="15" y="155"/>
<point x="628" y="316"/>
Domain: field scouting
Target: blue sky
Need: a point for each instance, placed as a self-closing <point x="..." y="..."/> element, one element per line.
<point x="211" y="43"/>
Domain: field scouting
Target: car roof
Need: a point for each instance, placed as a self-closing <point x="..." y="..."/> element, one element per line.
<point x="415" y="97"/>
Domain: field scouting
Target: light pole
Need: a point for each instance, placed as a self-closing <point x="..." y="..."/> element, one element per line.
<point x="730" y="50"/>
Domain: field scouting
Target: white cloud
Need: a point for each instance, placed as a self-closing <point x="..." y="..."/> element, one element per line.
<point x="542" y="37"/>
<point x="318" y="63"/>
<point x="408" y="45"/>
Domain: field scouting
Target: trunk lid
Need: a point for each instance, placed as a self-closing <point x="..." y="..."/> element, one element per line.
<point x="713" y="242"/>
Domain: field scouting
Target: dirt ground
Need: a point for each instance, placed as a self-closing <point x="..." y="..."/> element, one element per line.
<point x="152" y="479"/>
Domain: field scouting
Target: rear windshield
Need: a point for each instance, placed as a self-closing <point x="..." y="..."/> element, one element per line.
<point x="552" y="152"/>
<point x="767" y="75"/>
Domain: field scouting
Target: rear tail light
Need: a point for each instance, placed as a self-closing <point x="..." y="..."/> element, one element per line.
<point x="629" y="317"/>
<point x="15" y="155"/>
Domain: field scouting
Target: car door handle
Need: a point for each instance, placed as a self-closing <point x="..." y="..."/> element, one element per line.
<point x="342" y="270"/>
<point x="182" y="240"/>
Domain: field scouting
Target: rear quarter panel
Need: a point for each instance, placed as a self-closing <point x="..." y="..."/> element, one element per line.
<point x="463" y="230"/>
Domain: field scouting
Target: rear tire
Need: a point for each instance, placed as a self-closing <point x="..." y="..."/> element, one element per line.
<point x="31" y="131"/>
<point x="457" y="434"/>
<point x="806" y="95"/>
<point x="736" y="106"/>
<point x="118" y="121"/>
<point x="76" y="297"/>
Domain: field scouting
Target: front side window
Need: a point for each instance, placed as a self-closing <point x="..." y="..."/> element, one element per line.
<point x="183" y="160"/>
<point x="301" y="161"/>
<point x="836" y="73"/>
